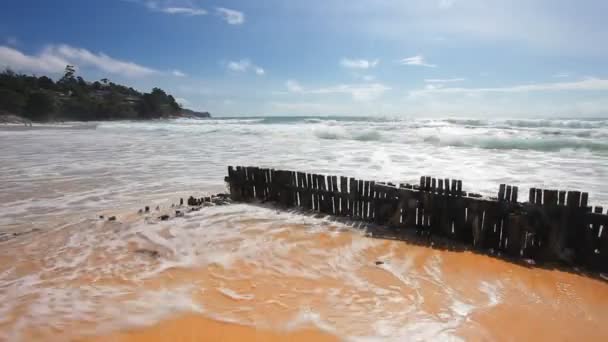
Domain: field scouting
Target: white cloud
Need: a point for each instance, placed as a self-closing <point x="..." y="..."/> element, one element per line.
<point x="444" y="80"/>
<point x="43" y="62"/>
<point x="178" y="73"/>
<point x="54" y="58"/>
<point x="294" y="86"/>
<point x="232" y="17"/>
<point x="83" y="57"/>
<point x="358" y="63"/>
<point x="241" y="65"/>
<point x="417" y="60"/>
<point x="562" y="75"/>
<point x="359" y="92"/>
<point x="446" y="4"/>
<point x="190" y="11"/>
<point x="245" y="65"/>
<point x="182" y="101"/>
<point x="589" y="84"/>
<point x="368" y="78"/>
<point x="171" y="7"/>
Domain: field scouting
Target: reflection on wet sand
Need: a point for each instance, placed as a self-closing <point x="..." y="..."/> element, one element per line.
<point x="245" y="272"/>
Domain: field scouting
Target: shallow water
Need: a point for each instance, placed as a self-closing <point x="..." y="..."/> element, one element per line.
<point x="72" y="274"/>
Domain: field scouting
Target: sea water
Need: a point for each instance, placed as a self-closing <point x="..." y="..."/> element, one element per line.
<point x="66" y="273"/>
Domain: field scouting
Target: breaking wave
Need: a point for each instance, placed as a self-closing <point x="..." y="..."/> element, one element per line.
<point x="532" y="123"/>
<point x="339" y="133"/>
<point x="513" y="143"/>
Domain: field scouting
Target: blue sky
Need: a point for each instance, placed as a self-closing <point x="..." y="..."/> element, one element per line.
<point x="432" y="58"/>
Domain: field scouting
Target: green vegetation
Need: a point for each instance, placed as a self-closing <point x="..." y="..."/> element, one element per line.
<point x="73" y="98"/>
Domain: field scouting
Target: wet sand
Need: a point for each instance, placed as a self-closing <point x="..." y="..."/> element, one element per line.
<point x="198" y="328"/>
<point x="242" y="272"/>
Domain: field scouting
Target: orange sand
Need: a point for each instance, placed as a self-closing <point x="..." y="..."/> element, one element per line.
<point x="192" y="327"/>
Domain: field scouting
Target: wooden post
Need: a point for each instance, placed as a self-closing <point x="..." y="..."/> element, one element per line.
<point x="584" y="199"/>
<point x="360" y="199"/>
<point x="335" y="195"/>
<point x="365" y="200"/>
<point x="539" y="196"/>
<point x="514" y="195"/>
<point x="501" y="192"/>
<point x="343" y="196"/>
<point x="532" y="199"/>
<point x="370" y="198"/>
<point x="352" y="197"/>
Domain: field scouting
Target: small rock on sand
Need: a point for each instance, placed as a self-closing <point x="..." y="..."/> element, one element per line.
<point x="149" y="252"/>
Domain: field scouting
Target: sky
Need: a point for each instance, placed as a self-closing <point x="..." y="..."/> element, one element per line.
<point x="417" y="58"/>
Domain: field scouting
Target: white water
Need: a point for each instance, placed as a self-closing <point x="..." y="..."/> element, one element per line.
<point x="60" y="171"/>
<point x="80" y="269"/>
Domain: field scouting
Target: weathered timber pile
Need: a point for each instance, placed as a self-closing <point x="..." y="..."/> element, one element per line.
<point x="552" y="226"/>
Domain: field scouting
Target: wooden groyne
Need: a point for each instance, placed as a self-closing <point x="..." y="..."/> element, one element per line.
<point x="552" y="226"/>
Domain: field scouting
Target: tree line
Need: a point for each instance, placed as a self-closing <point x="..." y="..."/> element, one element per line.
<point x="73" y="98"/>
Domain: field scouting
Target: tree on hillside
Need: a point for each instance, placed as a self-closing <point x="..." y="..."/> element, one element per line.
<point x="39" y="106"/>
<point x="173" y="104"/>
<point x="68" y="80"/>
<point x="46" y="83"/>
<point x="11" y="101"/>
<point x="72" y="97"/>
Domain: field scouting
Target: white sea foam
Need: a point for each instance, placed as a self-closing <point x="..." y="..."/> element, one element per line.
<point x="234" y="295"/>
<point x="132" y="164"/>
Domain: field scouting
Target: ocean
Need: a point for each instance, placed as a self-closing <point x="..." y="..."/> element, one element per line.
<point x="66" y="274"/>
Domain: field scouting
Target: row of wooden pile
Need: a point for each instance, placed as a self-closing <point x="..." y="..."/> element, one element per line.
<point x="552" y="226"/>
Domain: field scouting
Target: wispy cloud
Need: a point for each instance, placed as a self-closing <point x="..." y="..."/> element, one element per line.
<point x="293" y="86"/>
<point x="358" y="63"/>
<point x="308" y="108"/>
<point x="54" y="58"/>
<point x="182" y="101"/>
<point x="187" y="8"/>
<point x="190" y="11"/>
<point x="231" y="16"/>
<point x="245" y="65"/>
<point x="359" y="92"/>
<point x="171" y="7"/>
<point x="43" y="62"/>
<point x="446" y="4"/>
<point x="589" y="84"/>
<point x="84" y="57"/>
<point x="562" y="75"/>
<point x="178" y="73"/>
<point x="417" y="60"/>
<point x="12" y="41"/>
<point x="444" y="80"/>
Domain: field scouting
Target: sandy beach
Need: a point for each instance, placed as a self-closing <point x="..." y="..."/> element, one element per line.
<point x="253" y="272"/>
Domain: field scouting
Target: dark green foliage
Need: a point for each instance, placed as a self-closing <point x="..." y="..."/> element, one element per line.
<point x="11" y="101"/>
<point x="39" y="106"/>
<point x="46" y="83"/>
<point x="73" y="98"/>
